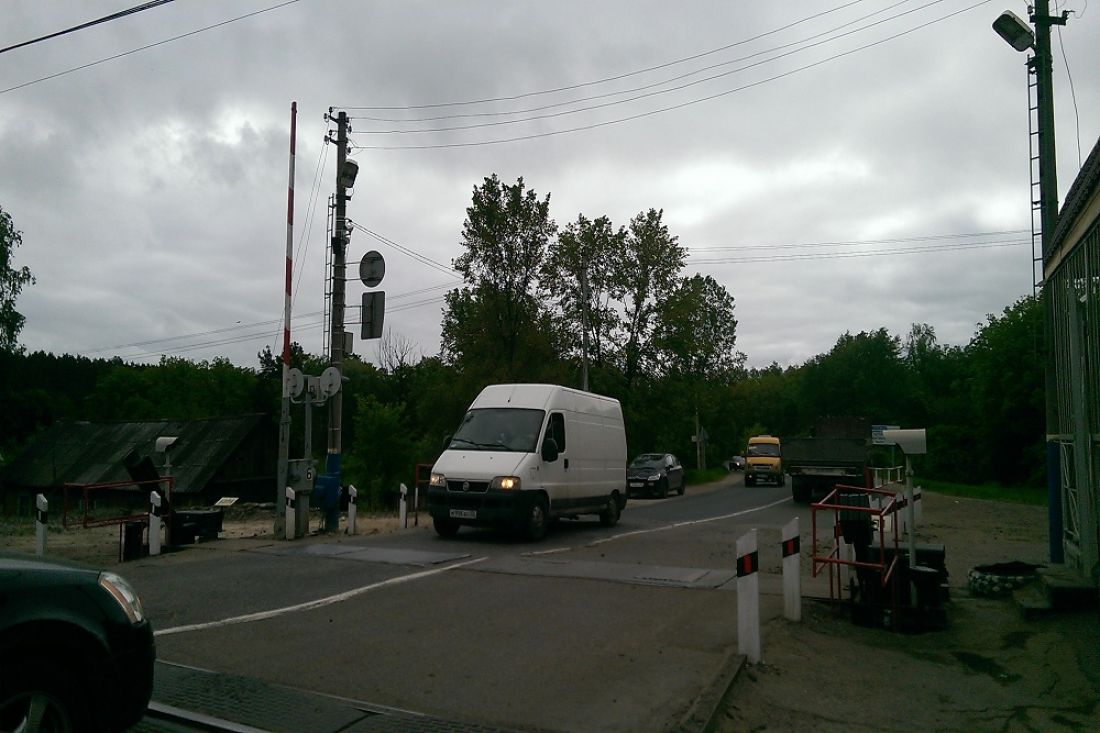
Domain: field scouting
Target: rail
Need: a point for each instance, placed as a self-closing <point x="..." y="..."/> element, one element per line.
<point x="839" y="501"/>
<point x="880" y="476"/>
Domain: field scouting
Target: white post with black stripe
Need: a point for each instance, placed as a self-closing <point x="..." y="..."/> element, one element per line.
<point x="154" y="523"/>
<point x="41" y="516"/>
<point x="291" y="526"/>
<point x="748" y="597"/>
<point x="403" y="517"/>
<point x="352" y="494"/>
<point x="792" y="571"/>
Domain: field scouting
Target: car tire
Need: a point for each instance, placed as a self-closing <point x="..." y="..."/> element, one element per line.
<point x="445" y="527"/>
<point x="609" y="517"/>
<point x="37" y="695"/>
<point x="538" y="519"/>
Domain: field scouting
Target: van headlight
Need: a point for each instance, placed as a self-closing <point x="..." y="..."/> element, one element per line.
<point x="505" y="483"/>
<point x="438" y="480"/>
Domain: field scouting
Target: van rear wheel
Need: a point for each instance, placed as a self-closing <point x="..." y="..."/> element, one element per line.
<point x="609" y="517"/>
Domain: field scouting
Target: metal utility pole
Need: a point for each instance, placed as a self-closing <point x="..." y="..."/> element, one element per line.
<point x="1044" y="91"/>
<point x="584" y="327"/>
<point x="336" y="331"/>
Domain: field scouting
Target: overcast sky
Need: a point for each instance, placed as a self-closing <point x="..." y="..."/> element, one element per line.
<point x="837" y="165"/>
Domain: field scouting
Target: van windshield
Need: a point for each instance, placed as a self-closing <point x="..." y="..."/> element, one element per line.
<point x="763" y="449"/>
<point x="500" y="429"/>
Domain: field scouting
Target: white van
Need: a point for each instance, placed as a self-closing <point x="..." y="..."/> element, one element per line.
<point x="527" y="452"/>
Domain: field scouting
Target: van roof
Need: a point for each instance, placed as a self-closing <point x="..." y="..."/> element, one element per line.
<point x="533" y="395"/>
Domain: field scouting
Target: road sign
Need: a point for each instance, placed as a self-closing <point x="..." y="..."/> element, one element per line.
<point x="374" y="311"/>
<point x="372" y="268"/>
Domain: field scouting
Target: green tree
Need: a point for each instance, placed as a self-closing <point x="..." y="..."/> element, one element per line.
<point x="696" y="333"/>
<point x="579" y="273"/>
<point x="646" y="273"/>
<point x="12" y="280"/>
<point x="496" y="323"/>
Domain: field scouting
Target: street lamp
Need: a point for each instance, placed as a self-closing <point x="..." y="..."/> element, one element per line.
<point x="1015" y="31"/>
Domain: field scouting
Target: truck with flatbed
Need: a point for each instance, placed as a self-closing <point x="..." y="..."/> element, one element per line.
<point x="838" y="453"/>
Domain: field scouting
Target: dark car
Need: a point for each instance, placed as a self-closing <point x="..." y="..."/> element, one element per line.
<point x="76" y="651"/>
<point x="737" y="463"/>
<point x="655" y="474"/>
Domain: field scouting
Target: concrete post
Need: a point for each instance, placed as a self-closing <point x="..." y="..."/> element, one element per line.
<point x="353" y="493"/>
<point x="291" y="528"/>
<point x="154" y="523"/>
<point x="748" y="598"/>
<point x="41" y="517"/>
<point x="403" y="508"/>
<point x="792" y="571"/>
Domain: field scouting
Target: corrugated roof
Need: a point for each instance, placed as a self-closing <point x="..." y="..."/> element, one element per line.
<point x="1086" y="183"/>
<point x="94" y="452"/>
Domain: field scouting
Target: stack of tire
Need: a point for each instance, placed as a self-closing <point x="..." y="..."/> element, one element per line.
<point x="1000" y="579"/>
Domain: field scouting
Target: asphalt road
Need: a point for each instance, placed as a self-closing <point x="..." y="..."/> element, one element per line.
<point x="594" y="628"/>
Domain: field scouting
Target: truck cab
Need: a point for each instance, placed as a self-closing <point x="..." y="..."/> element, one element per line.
<point x="764" y="461"/>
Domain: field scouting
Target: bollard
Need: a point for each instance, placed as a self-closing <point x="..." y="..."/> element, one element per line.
<point x="918" y="494"/>
<point x="748" y="598"/>
<point x="291" y="532"/>
<point x="41" y="516"/>
<point x="792" y="571"/>
<point x="154" y="523"/>
<point x="352" y="494"/>
<point x="403" y="512"/>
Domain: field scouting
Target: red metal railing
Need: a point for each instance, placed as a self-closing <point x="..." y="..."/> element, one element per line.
<point x="129" y="488"/>
<point x="888" y="506"/>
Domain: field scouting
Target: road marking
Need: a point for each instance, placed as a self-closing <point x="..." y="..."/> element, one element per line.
<point x="688" y="523"/>
<point x="310" y="605"/>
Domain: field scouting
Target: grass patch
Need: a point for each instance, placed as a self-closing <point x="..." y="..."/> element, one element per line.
<point x="1016" y="494"/>
<point x="694" y="476"/>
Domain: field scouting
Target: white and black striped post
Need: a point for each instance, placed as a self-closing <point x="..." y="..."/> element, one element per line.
<point x="918" y="504"/>
<point x="41" y="515"/>
<point x="792" y="571"/>
<point x="154" y="523"/>
<point x="403" y="510"/>
<point x="748" y="597"/>
<point x="352" y="494"/>
<point x="291" y="525"/>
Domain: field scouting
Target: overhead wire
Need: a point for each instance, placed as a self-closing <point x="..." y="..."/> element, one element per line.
<point x="147" y="46"/>
<point x="682" y="105"/>
<point x="652" y="85"/>
<point x="618" y="77"/>
<point x="89" y="24"/>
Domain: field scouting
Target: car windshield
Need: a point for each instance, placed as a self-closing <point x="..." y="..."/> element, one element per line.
<point x="500" y="429"/>
<point x="648" y="460"/>
<point x="764" y="449"/>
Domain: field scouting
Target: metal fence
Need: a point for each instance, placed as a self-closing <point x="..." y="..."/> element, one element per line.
<point x="1073" y="400"/>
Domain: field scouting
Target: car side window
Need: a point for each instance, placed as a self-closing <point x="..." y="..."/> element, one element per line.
<point x="556" y="430"/>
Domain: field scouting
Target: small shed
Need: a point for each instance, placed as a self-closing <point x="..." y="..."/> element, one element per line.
<point x="210" y="458"/>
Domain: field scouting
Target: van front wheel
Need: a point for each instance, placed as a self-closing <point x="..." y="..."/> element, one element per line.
<point x="537" y="519"/>
<point x="445" y="527"/>
<point x="609" y="517"/>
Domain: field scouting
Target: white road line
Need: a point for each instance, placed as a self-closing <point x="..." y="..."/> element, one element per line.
<point x="688" y="523"/>
<point x="310" y="605"/>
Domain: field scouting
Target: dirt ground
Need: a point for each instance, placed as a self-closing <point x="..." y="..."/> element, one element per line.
<point x="990" y="670"/>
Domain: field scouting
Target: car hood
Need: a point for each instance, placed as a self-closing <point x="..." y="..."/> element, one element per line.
<point x="643" y="471"/>
<point x="479" y="465"/>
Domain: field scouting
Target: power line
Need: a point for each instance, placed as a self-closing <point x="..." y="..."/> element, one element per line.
<point x="148" y="46"/>
<point x="652" y="85"/>
<point x="89" y="24"/>
<point x="405" y="250"/>
<point x="862" y="242"/>
<point x="874" y="253"/>
<point x="515" y="97"/>
<point x="670" y="108"/>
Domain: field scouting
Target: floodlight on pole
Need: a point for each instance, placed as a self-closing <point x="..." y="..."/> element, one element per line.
<point x="1015" y="31"/>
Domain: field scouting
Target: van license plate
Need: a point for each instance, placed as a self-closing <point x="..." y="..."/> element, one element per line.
<point x="464" y="514"/>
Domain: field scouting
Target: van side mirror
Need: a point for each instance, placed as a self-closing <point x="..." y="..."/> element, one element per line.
<point x="549" y="450"/>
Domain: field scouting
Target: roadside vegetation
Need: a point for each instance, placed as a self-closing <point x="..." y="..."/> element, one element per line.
<point x="1033" y="495"/>
<point x="536" y="297"/>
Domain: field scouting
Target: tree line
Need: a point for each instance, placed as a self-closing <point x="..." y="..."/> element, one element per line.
<point x="543" y="303"/>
